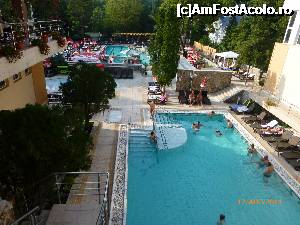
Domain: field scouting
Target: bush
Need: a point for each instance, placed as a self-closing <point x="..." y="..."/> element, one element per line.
<point x="11" y="53"/>
<point x="36" y="141"/>
<point x="43" y="46"/>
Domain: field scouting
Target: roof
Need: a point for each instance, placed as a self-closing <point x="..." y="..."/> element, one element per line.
<point x="229" y="54"/>
<point x="184" y="64"/>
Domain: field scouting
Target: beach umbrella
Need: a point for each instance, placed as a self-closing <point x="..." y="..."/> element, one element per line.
<point x="101" y="66"/>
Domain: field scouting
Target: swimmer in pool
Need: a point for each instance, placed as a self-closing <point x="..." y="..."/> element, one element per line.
<point x="153" y="136"/>
<point x="218" y="133"/>
<point x="269" y="170"/>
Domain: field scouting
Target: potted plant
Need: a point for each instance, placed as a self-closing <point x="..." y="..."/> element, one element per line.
<point x="19" y="36"/>
<point x="43" y="46"/>
<point x="270" y="102"/>
<point x="11" y="53"/>
<point x="60" y="40"/>
<point x="44" y="36"/>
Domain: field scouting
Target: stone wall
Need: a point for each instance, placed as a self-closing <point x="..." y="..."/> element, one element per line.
<point x="217" y="80"/>
<point x="183" y="80"/>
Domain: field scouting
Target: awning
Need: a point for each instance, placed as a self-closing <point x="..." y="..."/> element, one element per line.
<point x="229" y="54"/>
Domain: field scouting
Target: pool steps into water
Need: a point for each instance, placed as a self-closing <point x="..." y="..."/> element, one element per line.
<point x="139" y="140"/>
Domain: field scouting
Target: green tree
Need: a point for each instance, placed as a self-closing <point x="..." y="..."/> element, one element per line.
<point x="58" y="60"/>
<point x="122" y="15"/>
<point x="89" y="88"/>
<point x="165" y="44"/>
<point x="255" y="36"/>
<point x="79" y="13"/>
<point x="171" y="33"/>
<point x="44" y="10"/>
<point x="36" y="141"/>
<point x="96" y="22"/>
<point x="7" y="11"/>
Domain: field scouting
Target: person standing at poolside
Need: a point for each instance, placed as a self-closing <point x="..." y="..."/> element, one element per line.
<point x="152" y="108"/>
<point x="221" y="221"/>
<point x="192" y="98"/>
<point x="199" y="98"/>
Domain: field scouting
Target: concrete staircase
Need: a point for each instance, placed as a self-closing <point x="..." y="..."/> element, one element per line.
<point x="220" y="96"/>
<point x="82" y="214"/>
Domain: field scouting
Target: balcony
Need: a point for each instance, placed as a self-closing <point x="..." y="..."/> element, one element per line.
<point x="23" y="45"/>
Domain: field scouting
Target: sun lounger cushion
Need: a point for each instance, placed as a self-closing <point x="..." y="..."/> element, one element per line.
<point x="290" y="155"/>
<point x="271" y="124"/>
<point x="292" y="143"/>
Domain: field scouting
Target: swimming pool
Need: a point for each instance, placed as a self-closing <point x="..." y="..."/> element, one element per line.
<point x="206" y="176"/>
<point x="116" y="50"/>
<point x="119" y="51"/>
<point x="53" y="83"/>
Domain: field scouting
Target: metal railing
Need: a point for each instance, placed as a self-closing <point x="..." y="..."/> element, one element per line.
<point x="25" y="32"/>
<point x="86" y="188"/>
<point x="30" y="217"/>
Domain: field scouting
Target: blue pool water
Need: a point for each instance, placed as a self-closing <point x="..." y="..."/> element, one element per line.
<point x="120" y="56"/>
<point x="207" y="176"/>
<point x="115" y="50"/>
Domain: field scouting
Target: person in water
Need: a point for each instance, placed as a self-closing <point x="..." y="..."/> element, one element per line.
<point x="264" y="161"/>
<point x="221" y="220"/>
<point x="251" y="150"/>
<point x="269" y="170"/>
<point x="211" y="113"/>
<point x="196" y="126"/>
<point x="218" y="133"/>
<point x="153" y="136"/>
<point x="229" y="124"/>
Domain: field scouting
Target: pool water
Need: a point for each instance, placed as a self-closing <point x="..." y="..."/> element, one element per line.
<point x="53" y="83"/>
<point x="196" y="182"/>
<point x="116" y="50"/>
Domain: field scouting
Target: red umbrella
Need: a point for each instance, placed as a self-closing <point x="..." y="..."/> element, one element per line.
<point x="101" y="66"/>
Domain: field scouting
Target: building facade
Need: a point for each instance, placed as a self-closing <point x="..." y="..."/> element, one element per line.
<point x="22" y="81"/>
<point x="283" y="76"/>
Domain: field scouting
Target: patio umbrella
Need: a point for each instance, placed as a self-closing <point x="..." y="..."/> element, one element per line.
<point x="101" y="66"/>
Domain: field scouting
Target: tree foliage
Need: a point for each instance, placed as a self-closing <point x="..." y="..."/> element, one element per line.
<point x="8" y="14"/>
<point x="254" y="37"/>
<point x="88" y="87"/>
<point x="164" y="47"/>
<point x="123" y="15"/>
<point x="36" y="141"/>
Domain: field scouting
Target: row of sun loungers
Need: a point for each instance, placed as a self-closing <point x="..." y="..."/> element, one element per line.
<point x="285" y="143"/>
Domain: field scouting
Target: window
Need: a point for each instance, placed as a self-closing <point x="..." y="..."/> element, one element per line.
<point x="28" y="71"/>
<point x="292" y="20"/>
<point x="17" y="77"/>
<point x="3" y="84"/>
<point x="287" y="36"/>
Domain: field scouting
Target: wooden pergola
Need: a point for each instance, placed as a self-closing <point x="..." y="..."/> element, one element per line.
<point x="133" y="34"/>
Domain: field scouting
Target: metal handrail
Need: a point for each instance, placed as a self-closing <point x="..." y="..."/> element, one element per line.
<point x="28" y="214"/>
<point x="104" y="204"/>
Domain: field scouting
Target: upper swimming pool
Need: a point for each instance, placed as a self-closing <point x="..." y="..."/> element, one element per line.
<point x="120" y="53"/>
<point x="208" y="175"/>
